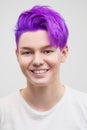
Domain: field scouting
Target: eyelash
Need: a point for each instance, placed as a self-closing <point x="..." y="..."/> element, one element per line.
<point x="48" y="51"/>
<point x="26" y="53"/>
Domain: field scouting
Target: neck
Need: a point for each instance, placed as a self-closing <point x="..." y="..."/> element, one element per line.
<point x="43" y="98"/>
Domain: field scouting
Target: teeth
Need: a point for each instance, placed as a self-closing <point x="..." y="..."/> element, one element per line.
<point x="39" y="71"/>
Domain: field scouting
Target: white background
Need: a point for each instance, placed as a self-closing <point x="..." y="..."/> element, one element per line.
<point x="73" y="72"/>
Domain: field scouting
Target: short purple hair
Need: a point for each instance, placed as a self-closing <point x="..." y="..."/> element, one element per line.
<point x="43" y="18"/>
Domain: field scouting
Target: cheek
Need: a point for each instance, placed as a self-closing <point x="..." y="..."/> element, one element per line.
<point x="24" y="62"/>
<point x="54" y="61"/>
<point x="24" y="65"/>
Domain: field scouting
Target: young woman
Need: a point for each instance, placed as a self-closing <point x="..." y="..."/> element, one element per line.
<point x="45" y="103"/>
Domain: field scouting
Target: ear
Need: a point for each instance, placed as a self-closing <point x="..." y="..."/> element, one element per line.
<point x="64" y="53"/>
<point x="17" y="53"/>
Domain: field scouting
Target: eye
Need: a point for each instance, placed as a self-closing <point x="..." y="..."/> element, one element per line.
<point x="48" y="51"/>
<point x="27" y="53"/>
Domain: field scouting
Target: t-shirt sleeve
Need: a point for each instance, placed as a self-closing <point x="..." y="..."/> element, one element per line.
<point x="82" y="102"/>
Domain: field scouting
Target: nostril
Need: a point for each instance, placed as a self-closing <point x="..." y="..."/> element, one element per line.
<point x="37" y="64"/>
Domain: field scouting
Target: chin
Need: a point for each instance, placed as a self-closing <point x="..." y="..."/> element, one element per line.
<point x="40" y="83"/>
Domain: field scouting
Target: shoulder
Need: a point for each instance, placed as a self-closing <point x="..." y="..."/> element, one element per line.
<point x="78" y="98"/>
<point x="7" y="102"/>
<point x="77" y="104"/>
<point x="79" y="95"/>
<point x="7" y="99"/>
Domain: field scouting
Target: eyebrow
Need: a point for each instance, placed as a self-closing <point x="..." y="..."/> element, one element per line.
<point x="30" y="48"/>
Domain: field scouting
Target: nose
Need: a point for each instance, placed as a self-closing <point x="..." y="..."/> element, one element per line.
<point x="38" y="60"/>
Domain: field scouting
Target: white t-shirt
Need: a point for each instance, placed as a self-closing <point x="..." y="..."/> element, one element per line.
<point x="70" y="113"/>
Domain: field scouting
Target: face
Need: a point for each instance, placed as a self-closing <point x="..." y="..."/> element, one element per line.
<point x="39" y="62"/>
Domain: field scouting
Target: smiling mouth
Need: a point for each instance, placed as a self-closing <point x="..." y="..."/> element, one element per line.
<point x="39" y="71"/>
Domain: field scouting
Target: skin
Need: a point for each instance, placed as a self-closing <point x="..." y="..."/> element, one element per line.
<point x="40" y="63"/>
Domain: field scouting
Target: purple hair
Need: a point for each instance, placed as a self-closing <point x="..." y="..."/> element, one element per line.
<point x="43" y="18"/>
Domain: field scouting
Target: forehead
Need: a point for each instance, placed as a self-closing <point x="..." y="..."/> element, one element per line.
<point x="34" y="39"/>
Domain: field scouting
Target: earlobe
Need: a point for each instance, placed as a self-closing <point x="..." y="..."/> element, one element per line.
<point x="64" y="54"/>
